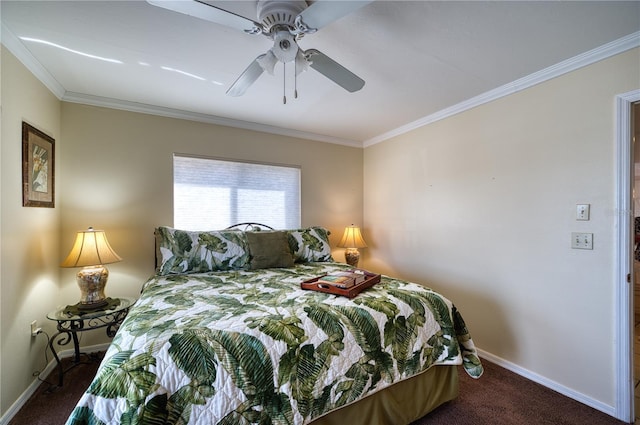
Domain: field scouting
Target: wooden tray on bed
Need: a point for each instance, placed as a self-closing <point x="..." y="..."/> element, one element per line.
<point x="313" y="285"/>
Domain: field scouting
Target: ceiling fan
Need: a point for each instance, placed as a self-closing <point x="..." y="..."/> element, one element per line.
<point x="285" y="22"/>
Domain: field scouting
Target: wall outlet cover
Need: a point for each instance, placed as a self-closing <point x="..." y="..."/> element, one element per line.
<point x="581" y="240"/>
<point x="582" y="211"/>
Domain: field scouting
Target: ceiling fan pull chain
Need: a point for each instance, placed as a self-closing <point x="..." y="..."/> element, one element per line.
<point x="284" y="83"/>
<point x="295" y="79"/>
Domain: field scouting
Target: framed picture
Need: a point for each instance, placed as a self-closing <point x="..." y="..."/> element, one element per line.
<point x="38" y="168"/>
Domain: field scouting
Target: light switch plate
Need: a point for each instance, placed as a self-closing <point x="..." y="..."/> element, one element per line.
<point x="581" y="240"/>
<point x="582" y="212"/>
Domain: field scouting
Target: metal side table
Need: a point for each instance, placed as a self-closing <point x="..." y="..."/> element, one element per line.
<point x="70" y="323"/>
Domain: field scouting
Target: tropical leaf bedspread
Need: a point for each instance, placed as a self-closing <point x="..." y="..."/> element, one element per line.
<point x="252" y="347"/>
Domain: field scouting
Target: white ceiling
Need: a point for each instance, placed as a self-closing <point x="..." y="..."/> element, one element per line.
<point x="418" y="58"/>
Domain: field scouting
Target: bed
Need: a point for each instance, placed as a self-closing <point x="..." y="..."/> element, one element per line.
<point x="223" y="333"/>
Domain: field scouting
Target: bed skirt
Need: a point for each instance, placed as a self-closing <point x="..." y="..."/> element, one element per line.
<point x="401" y="403"/>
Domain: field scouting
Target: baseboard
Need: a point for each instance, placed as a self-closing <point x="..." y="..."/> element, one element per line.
<point x="609" y="410"/>
<point x="31" y="389"/>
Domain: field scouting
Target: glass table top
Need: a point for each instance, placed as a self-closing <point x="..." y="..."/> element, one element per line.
<point x="63" y="313"/>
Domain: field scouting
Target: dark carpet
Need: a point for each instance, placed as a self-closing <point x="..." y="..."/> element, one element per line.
<point x="499" y="397"/>
<point x="52" y="405"/>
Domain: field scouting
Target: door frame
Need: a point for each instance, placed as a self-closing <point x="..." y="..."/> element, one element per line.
<point x="624" y="315"/>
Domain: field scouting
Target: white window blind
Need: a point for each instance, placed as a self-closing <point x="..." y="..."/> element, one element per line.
<point x="210" y="194"/>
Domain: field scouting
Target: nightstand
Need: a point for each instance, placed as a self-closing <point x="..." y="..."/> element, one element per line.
<point x="71" y="322"/>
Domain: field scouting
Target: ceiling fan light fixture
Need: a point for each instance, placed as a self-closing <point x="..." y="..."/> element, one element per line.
<point x="301" y="63"/>
<point x="268" y="62"/>
<point x="284" y="47"/>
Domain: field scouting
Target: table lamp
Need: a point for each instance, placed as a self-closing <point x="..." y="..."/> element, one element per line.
<point x="352" y="240"/>
<point x="90" y="251"/>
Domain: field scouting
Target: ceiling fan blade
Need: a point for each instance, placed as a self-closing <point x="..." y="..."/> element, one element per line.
<point x="334" y="71"/>
<point x="209" y="13"/>
<point x="248" y="77"/>
<point x="323" y="12"/>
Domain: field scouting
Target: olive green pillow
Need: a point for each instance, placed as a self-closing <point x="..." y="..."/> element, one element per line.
<point x="268" y="250"/>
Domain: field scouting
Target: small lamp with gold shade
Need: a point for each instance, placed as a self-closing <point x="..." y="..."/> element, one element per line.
<point x="352" y="240"/>
<point x="90" y="251"/>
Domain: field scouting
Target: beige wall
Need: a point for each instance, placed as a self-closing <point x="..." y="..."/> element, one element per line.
<point x="29" y="237"/>
<point x="480" y="206"/>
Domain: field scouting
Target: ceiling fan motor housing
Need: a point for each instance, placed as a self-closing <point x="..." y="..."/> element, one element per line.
<point x="275" y="13"/>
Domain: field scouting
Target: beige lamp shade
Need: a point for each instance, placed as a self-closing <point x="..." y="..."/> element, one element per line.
<point x="91" y="248"/>
<point x="352" y="238"/>
<point x="90" y="251"/>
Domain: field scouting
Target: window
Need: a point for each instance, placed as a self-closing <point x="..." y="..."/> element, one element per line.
<point x="213" y="194"/>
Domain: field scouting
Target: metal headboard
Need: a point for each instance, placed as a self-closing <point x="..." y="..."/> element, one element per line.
<point x="250" y="227"/>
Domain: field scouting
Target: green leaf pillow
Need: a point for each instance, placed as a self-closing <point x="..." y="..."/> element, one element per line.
<point x="182" y="251"/>
<point x="310" y="245"/>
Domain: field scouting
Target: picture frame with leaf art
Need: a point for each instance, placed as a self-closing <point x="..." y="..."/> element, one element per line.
<point x="38" y="168"/>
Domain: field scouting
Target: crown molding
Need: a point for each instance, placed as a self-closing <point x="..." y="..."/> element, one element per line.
<point x="592" y="56"/>
<point x="15" y="46"/>
<point x="613" y="48"/>
<point x="199" y="117"/>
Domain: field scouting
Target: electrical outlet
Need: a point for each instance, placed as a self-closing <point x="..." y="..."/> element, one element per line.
<point x="35" y="330"/>
<point x="581" y="240"/>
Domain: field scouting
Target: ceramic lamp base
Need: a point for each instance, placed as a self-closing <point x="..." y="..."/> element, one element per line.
<point x="92" y="281"/>
<point x="352" y="256"/>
